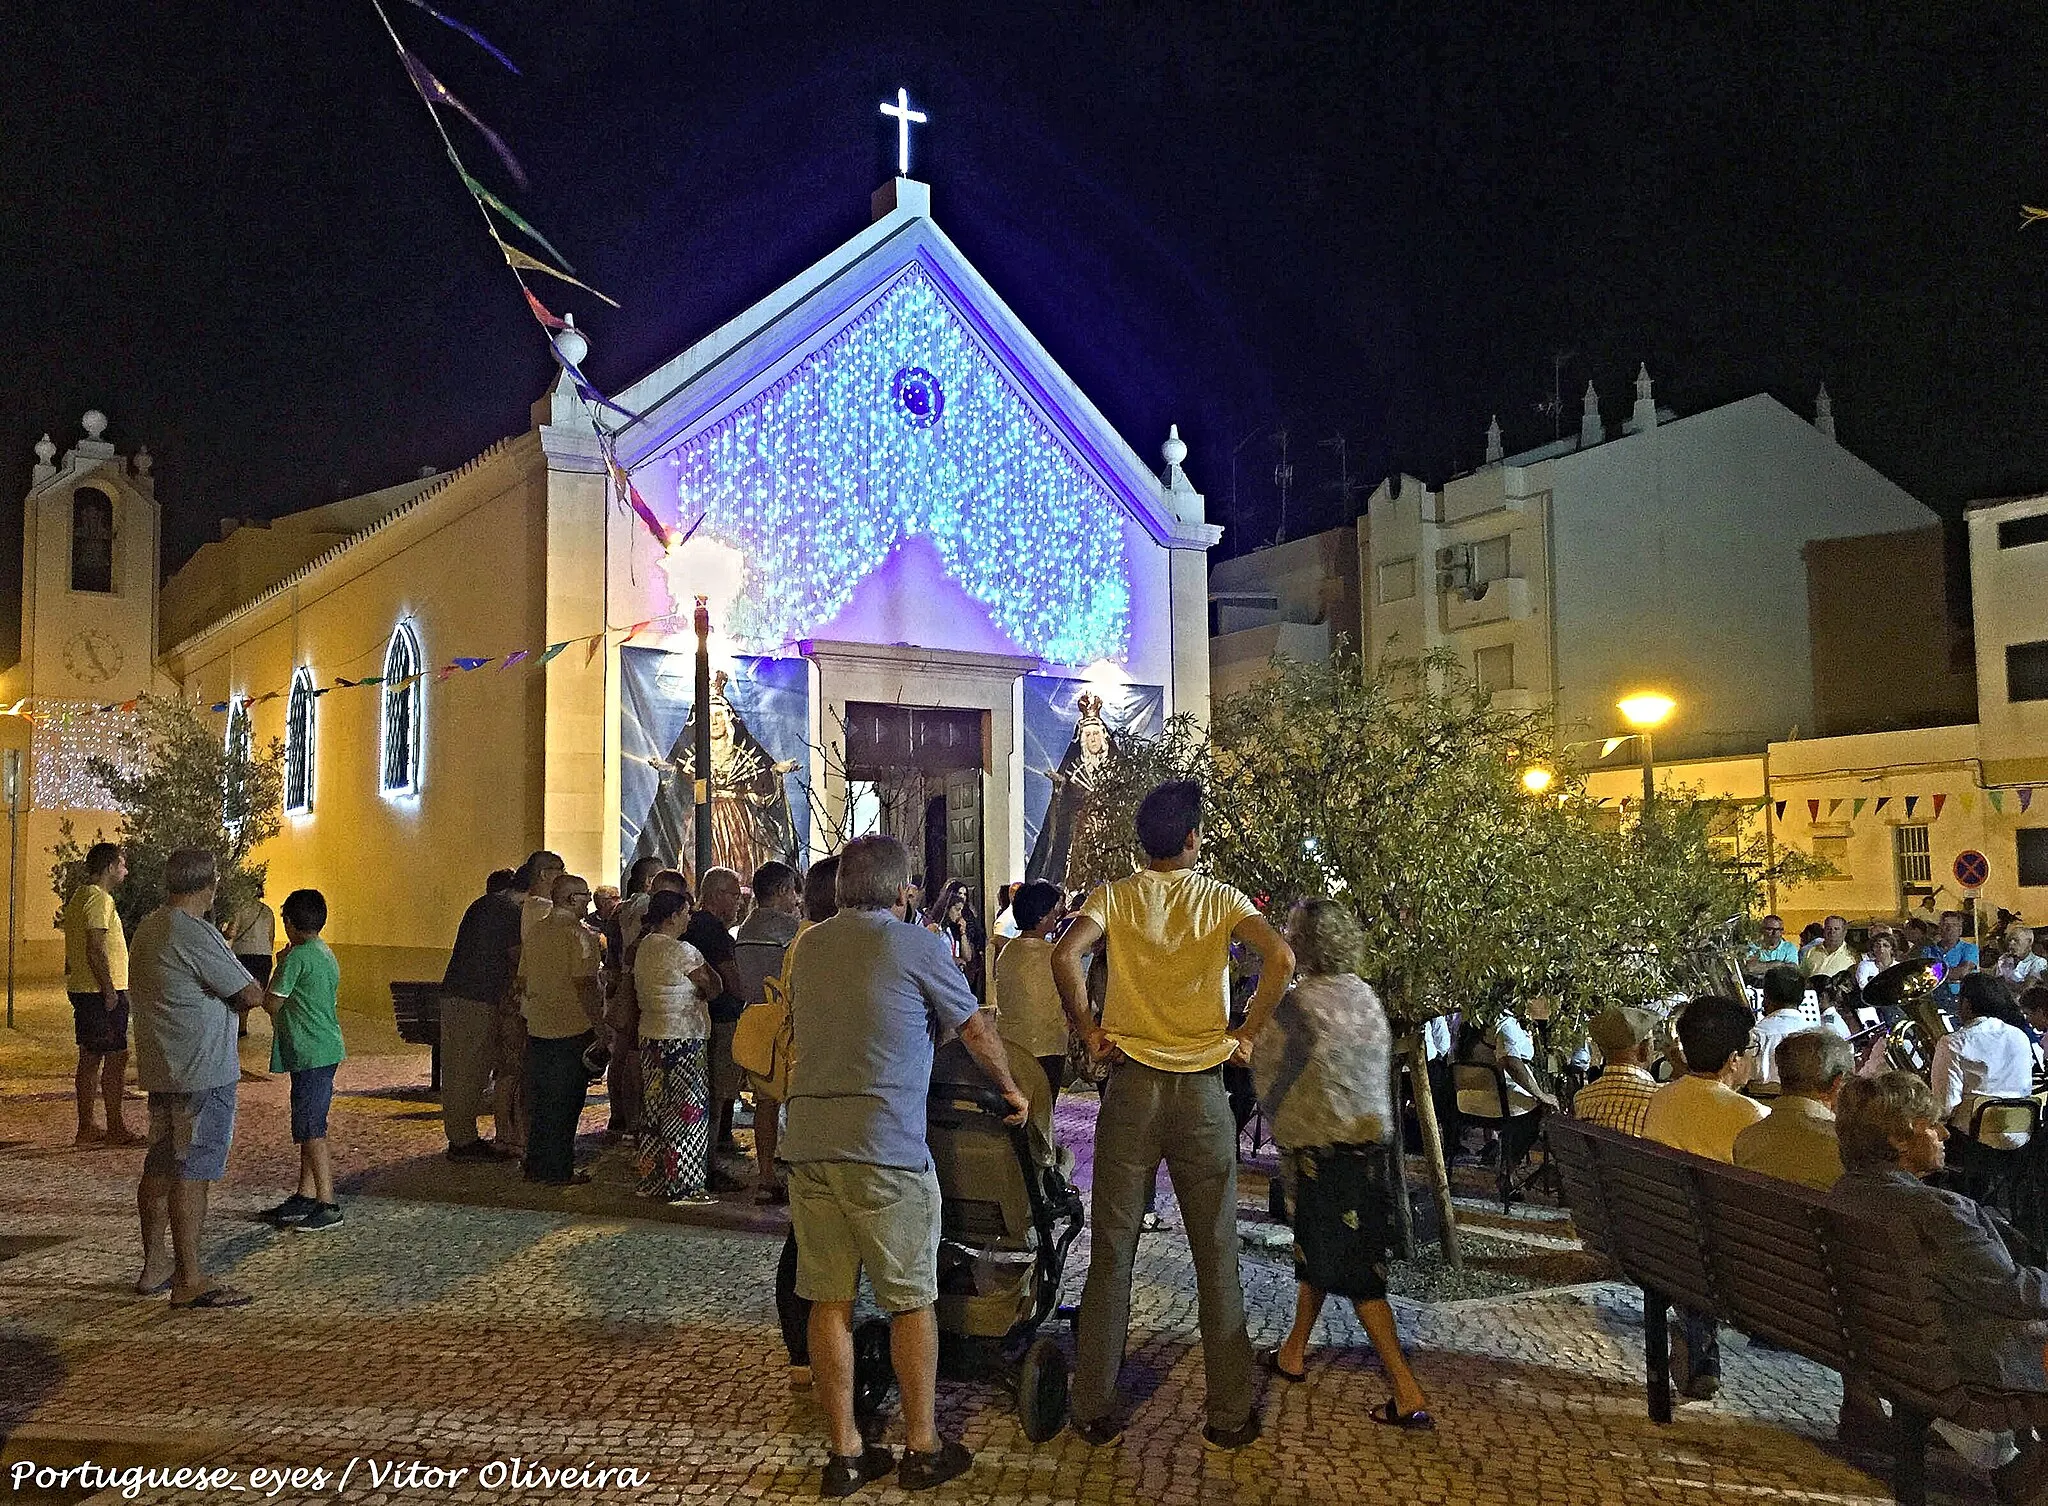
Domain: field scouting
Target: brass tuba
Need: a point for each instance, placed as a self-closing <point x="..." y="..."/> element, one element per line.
<point x="1909" y="987"/>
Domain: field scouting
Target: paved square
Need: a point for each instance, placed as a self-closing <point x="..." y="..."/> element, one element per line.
<point x="445" y="1324"/>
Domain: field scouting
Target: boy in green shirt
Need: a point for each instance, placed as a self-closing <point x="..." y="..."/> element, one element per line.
<point x="303" y="1000"/>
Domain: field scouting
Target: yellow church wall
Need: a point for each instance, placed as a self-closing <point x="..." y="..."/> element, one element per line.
<point x="466" y="569"/>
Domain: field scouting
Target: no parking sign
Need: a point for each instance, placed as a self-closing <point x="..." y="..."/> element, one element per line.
<point x="1972" y="869"/>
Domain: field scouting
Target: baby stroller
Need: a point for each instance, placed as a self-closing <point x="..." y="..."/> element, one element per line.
<point x="1008" y="1216"/>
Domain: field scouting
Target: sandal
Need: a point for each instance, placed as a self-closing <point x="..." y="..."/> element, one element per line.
<point x="1390" y="1416"/>
<point x="846" y="1473"/>
<point x="1270" y="1360"/>
<point x="216" y="1297"/>
<point x="154" y="1291"/>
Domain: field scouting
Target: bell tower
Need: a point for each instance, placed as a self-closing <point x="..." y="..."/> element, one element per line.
<point x="90" y="541"/>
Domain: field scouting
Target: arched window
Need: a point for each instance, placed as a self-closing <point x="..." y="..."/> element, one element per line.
<point x="402" y="713"/>
<point x="298" y="745"/>
<point x="241" y="738"/>
<point x="92" y="540"/>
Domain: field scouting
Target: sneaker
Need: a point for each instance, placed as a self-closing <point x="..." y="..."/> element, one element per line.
<point x="698" y="1199"/>
<point x="1100" y="1432"/>
<point x="846" y="1473"/>
<point x="292" y="1209"/>
<point x="325" y="1216"/>
<point x="927" y="1471"/>
<point x="476" y="1150"/>
<point x="1217" y="1437"/>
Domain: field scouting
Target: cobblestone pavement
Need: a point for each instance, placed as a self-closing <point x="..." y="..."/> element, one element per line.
<point x="447" y="1326"/>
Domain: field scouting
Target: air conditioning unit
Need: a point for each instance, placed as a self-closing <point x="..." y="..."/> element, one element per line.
<point x="1454" y="567"/>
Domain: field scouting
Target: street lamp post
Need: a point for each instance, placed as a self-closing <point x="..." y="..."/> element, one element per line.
<point x="1646" y="710"/>
<point x="700" y="751"/>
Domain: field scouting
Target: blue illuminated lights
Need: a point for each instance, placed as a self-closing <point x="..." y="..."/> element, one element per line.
<point x="902" y="426"/>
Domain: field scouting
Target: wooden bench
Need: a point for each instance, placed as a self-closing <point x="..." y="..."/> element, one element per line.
<point x="417" y="1009"/>
<point x="1782" y="1263"/>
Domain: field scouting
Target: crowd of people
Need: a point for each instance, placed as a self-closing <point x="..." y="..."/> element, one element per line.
<point x="824" y="995"/>
<point x="1803" y="1091"/>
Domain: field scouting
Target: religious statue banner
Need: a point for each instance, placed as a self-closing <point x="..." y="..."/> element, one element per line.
<point x="1069" y="728"/>
<point x="760" y="723"/>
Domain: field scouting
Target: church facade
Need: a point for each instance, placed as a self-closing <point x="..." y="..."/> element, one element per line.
<point x="940" y="585"/>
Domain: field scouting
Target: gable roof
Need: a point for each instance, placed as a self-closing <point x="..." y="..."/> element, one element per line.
<point x="748" y="354"/>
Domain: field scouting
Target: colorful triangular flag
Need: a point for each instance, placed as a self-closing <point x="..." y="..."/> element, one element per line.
<point x="469" y="31"/>
<point x="519" y="261"/>
<point x="1967" y="801"/>
<point x="512" y="659"/>
<point x="1939" y="802"/>
<point x="1997" y="799"/>
<point x="1856" y="807"/>
<point x="1833" y="806"/>
<point x="2026" y="797"/>
<point x="552" y="650"/>
<point x="512" y="217"/>
<point x="1813" y="810"/>
<point x="1882" y="802"/>
<point x="468" y="662"/>
<point x="1911" y="801"/>
<point x="1781" y="810"/>
<point x="590" y="654"/>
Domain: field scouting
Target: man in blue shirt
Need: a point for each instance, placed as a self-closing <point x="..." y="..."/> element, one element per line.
<point x="868" y="998"/>
<point x="1958" y="958"/>
<point x="1771" y="949"/>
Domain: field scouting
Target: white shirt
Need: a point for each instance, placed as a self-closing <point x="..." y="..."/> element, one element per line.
<point x="256" y="934"/>
<point x="1986" y="1058"/>
<point x="2023" y="973"/>
<point x="1510" y="1042"/>
<point x="1772" y="1029"/>
<point x="671" y="1008"/>
<point x="1436" y="1038"/>
<point x="1866" y="969"/>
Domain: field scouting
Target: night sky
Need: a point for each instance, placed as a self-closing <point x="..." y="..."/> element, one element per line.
<point x="232" y="227"/>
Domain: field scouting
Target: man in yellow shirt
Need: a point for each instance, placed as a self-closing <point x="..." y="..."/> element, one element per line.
<point x="96" y="976"/>
<point x="1166" y="1029"/>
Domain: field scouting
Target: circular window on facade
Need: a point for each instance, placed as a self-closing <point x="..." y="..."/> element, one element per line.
<point x="920" y="396"/>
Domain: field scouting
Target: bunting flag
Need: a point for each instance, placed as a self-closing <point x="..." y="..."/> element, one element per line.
<point x="1856" y="807"/>
<point x="512" y="217"/>
<point x="1781" y="810"/>
<point x="1997" y="799"/>
<point x="1939" y="802"/>
<point x="540" y="310"/>
<point x="1813" y="810"/>
<point x="1967" y="801"/>
<point x="466" y="662"/>
<point x="552" y="650"/>
<point x="519" y="261"/>
<point x="438" y="93"/>
<point x="1882" y="802"/>
<point x="1833" y="806"/>
<point x="469" y="31"/>
<point x="511" y="659"/>
<point x="590" y="654"/>
<point x="635" y="631"/>
<point x="2026" y="797"/>
<point x="1911" y="801"/>
<point x="441" y="675"/>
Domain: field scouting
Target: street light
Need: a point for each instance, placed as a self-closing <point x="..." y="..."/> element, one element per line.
<point x="1644" y="711"/>
<point x="1536" y="779"/>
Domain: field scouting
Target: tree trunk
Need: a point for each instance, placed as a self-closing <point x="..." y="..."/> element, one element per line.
<point x="1397" y="1164"/>
<point x="1433" y="1151"/>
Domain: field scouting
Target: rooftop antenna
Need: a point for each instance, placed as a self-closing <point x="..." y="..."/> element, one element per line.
<point x="1555" y="407"/>
<point x="1345" y="489"/>
<point x="1283" y="477"/>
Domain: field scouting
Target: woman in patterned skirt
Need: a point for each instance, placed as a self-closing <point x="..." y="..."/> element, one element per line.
<point x="671" y="981"/>
<point x="1322" y="1070"/>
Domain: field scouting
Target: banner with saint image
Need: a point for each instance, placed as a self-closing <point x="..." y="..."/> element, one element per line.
<point x="1070" y="726"/>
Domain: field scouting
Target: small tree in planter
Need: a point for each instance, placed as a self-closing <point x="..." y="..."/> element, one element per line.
<point x="188" y="787"/>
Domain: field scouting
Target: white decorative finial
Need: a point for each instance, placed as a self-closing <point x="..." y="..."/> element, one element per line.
<point x="1494" y="452"/>
<point x="1824" y="412"/>
<point x="95" y="423"/>
<point x="143" y="460"/>
<point x="1645" y="414"/>
<point x="905" y="119"/>
<point x="1175" y="450"/>
<point x="46" y="452"/>
<point x="571" y="342"/>
<point x="1591" y="430"/>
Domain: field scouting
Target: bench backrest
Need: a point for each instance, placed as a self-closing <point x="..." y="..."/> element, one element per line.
<point x="1778" y="1261"/>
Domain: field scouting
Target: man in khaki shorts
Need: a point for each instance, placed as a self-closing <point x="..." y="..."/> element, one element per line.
<point x="868" y="996"/>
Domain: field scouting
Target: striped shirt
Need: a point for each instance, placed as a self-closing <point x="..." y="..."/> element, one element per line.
<point x="1618" y="1100"/>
